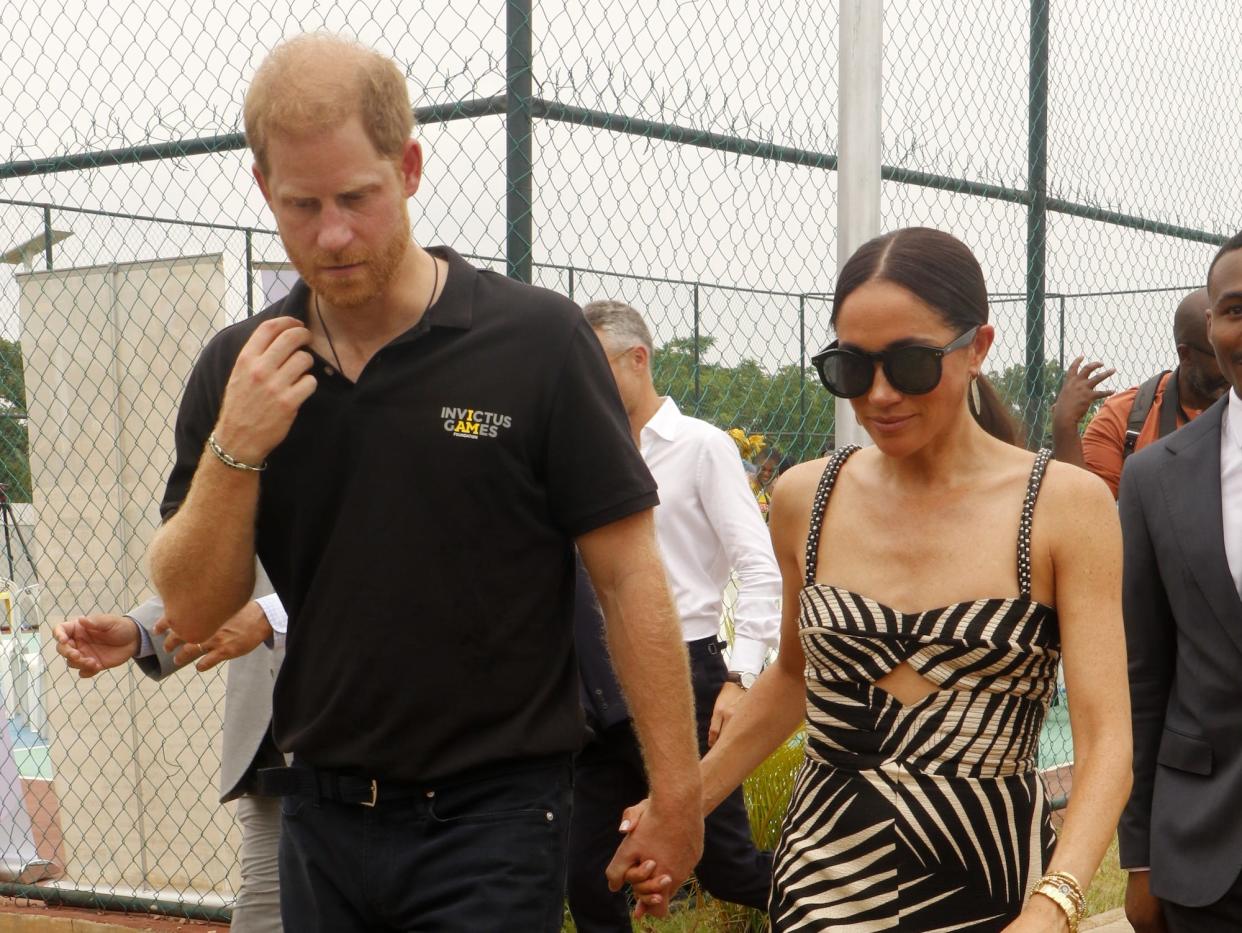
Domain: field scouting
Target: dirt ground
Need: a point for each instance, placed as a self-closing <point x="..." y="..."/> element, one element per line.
<point x="108" y="921"/>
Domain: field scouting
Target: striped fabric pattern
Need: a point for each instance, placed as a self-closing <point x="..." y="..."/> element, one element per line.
<point x="931" y="816"/>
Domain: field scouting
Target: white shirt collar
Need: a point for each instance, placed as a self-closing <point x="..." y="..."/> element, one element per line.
<point x="1231" y="486"/>
<point x="666" y="422"/>
<point x="1233" y="420"/>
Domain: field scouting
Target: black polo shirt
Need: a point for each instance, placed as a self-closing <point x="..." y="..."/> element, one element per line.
<point x="419" y="525"/>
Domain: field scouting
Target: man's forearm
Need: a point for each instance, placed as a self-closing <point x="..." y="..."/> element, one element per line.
<point x="650" y="659"/>
<point x="202" y="559"/>
<point x="1067" y="443"/>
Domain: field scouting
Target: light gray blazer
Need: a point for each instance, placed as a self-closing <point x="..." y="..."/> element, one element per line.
<point x="247" y="697"/>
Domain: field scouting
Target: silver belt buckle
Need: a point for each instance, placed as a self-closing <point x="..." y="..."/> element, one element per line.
<point x="374" y="794"/>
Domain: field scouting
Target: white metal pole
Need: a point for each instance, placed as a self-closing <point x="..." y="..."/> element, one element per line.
<point x="859" y="84"/>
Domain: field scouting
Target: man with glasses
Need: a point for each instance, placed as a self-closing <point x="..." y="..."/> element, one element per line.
<point x="1130" y="420"/>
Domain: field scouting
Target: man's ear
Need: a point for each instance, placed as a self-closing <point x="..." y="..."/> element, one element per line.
<point x="261" y="182"/>
<point x="411" y="166"/>
<point x="1183" y="353"/>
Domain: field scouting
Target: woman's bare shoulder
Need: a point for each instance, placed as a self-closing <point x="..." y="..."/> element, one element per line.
<point x="1070" y="486"/>
<point x="1075" y="509"/>
<point x="800" y="477"/>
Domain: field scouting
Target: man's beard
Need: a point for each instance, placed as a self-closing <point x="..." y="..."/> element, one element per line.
<point x="362" y="286"/>
<point x="1209" y="387"/>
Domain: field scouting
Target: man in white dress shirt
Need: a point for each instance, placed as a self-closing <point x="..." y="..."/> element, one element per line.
<point x="708" y="526"/>
<point x="1181" y="515"/>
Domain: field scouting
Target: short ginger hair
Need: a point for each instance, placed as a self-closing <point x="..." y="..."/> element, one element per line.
<point x="317" y="81"/>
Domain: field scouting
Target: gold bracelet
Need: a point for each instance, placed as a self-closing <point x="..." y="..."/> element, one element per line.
<point x="228" y="459"/>
<point x="1067" y="907"/>
<point x="1064" y="891"/>
<point x="1065" y="880"/>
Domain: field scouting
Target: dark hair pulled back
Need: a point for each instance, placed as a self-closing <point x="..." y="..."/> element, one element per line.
<point x="943" y="273"/>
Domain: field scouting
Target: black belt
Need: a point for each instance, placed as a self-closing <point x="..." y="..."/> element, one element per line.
<point x="301" y="781"/>
<point x="705" y="647"/>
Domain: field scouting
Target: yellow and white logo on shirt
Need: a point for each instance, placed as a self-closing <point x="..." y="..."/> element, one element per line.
<point x="473" y="422"/>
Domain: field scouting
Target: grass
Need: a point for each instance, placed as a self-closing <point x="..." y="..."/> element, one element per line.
<point x="767" y="797"/>
<point x="1108" y="890"/>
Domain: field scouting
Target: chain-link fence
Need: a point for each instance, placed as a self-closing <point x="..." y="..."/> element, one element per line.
<point x="680" y="156"/>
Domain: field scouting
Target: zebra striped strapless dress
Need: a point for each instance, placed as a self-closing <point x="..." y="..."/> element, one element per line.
<point x="928" y="817"/>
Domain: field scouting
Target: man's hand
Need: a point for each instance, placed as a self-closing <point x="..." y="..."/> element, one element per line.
<point x="238" y="636"/>
<point x="269" y="383"/>
<point x="1143" y="908"/>
<point x="94" y="643"/>
<point x="1078" y="392"/>
<point x="722" y="712"/>
<point x="663" y="844"/>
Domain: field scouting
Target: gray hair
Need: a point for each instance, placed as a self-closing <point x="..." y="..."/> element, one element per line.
<point x="620" y="326"/>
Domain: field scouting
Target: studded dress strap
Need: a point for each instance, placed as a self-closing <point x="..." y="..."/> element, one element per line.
<point x="826" y="482"/>
<point x="1028" y="514"/>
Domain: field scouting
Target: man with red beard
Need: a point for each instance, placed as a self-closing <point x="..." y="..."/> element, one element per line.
<point x="429" y="692"/>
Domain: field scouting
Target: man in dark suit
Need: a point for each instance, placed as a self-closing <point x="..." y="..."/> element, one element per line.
<point x="1181" y="514"/>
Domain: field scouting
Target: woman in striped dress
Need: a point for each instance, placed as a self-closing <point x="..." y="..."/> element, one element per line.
<point x="933" y="583"/>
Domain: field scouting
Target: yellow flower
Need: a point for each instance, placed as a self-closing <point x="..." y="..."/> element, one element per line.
<point x="749" y="446"/>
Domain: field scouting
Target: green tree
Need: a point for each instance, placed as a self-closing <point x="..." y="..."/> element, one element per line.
<point x="14" y="438"/>
<point x="789" y="407"/>
<point x="1010" y="384"/>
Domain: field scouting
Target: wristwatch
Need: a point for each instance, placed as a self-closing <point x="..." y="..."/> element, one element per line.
<point x="745" y="680"/>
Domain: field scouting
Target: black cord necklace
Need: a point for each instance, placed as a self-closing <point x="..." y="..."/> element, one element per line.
<point x="435" y="284"/>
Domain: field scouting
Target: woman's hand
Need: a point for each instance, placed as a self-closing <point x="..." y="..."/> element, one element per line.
<point x="648" y="887"/>
<point x="1040" y="915"/>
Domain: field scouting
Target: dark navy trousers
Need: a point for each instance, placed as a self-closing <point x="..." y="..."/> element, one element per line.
<point x="482" y="854"/>
<point x="609" y="776"/>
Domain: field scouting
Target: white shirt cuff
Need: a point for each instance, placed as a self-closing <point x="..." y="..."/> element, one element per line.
<point x="145" y="646"/>
<point x="747" y="656"/>
<point x="277" y="618"/>
<point x="274" y="609"/>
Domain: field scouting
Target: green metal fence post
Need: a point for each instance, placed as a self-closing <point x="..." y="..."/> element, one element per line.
<point x="802" y="376"/>
<point x="47" y="237"/>
<point x="519" y="240"/>
<point x="1036" y="219"/>
<point x="1061" y="332"/>
<point x="249" y="274"/>
<point x="698" y="389"/>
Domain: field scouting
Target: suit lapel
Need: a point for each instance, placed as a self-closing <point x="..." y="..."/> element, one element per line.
<point x="1191" y="485"/>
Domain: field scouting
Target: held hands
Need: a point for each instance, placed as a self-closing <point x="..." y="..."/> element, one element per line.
<point x="269" y="383"/>
<point x="660" y="849"/>
<point x="94" y="643"/>
<point x="1078" y="391"/>
<point x="238" y="636"/>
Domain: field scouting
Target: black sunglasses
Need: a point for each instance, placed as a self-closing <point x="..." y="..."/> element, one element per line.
<point x="913" y="370"/>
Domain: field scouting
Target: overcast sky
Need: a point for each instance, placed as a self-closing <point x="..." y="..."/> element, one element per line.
<point x="1142" y="98"/>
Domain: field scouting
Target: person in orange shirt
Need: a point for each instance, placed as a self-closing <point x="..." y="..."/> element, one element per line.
<point x="1179" y="397"/>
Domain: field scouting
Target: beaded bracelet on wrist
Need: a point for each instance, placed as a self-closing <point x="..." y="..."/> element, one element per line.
<point x="229" y="460"/>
